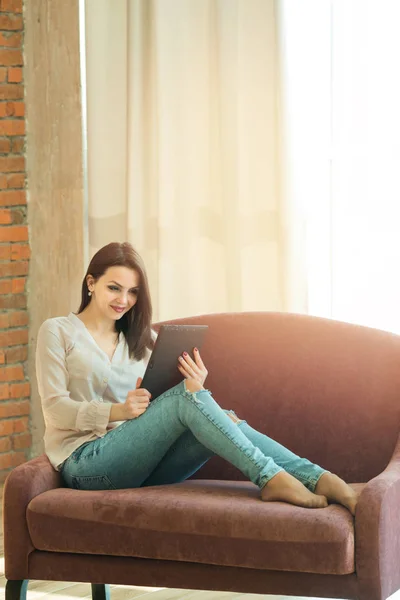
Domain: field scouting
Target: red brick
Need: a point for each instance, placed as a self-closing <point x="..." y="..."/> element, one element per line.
<point x="19" y="318"/>
<point x="13" y="198"/>
<point x="11" y="459"/>
<point x="3" y="74"/>
<point x="5" y="145"/>
<point x="16" y="180"/>
<point x="14" y="409"/>
<point x="13" y="301"/>
<point x="20" y="390"/>
<point x="5" y="286"/>
<point x="15" y="74"/>
<point x="20" y="252"/>
<point x="11" y="57"/>
<point x="12" y="373"/>
<point x="11" y="6"/>
<point x="22" y="441"/>
<point x="18" y="458"/>
<point x="13" y="337"/>
<point x="2" y="357"/>
<point x="4" y="320"/>
<point x="13" y="269"/>
<point x="4" y="391"/>
<point x="11" y="91"/>
<point x="5" y="461"/>
<point x="11" y="23"/>
<point x="20" y="425"/>
<point x="18" y="216"/>
<point x="12" y="109"/>
<point x="16" y="355"/>
<point x="18" y="145"/>
<point x="5" y="253"/>
<point x="12" y="127"/>
<point x="14" y="234"/>
<point x="18" y="285"/>
<point x="5" y="216"/>
<point x="10" y="39"/>
<point x="12" y="164"/>
<point x="5" y="444"/>
<point x="6" y="427"/>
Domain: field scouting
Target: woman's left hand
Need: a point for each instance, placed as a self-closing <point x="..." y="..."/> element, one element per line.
<point x="193" y="369"/>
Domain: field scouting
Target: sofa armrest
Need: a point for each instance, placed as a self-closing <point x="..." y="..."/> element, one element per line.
<point x="377" y="531"/>
<point x="22" y="485"/>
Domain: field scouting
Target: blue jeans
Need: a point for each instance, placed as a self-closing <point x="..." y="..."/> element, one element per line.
<point x="169" y="442"/>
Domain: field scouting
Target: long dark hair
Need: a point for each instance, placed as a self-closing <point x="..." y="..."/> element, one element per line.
<point x="136" y="323"/>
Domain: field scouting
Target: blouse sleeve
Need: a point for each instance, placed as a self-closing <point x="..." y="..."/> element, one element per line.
<point x="59" y="408"/>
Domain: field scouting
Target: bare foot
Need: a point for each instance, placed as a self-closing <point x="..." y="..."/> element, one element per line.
<point x="286" y="488"/>
<point x="337" y="490"/>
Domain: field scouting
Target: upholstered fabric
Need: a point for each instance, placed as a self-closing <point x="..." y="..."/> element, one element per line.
<point x="377" y="538"/>
<point x="23" y="484"/>
<point x="176" y="574"/>
<point x="215" y="522"/>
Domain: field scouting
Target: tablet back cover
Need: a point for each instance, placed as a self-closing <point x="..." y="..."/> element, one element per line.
<point x="162" y="370"/>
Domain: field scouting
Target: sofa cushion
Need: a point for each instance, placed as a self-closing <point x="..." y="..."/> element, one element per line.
<point x="213" y="522"/>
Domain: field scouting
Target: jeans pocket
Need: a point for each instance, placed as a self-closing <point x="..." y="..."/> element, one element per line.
<point x="91" y="482"/>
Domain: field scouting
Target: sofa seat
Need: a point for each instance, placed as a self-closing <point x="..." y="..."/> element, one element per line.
<point x="206" y="521"/>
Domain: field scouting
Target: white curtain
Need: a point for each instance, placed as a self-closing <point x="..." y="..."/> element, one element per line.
<point x="341" y="84"/>
<point x="365" y="163"/>
<point x="185" y="154"/>
<point x="304" y="42"/>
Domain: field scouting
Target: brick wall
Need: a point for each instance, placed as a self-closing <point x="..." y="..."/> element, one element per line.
<point x="15" y="439"/>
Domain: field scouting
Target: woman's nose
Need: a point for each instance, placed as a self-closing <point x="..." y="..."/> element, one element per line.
<point x="123" y="299"/>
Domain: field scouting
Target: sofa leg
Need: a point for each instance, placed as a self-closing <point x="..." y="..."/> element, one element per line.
<point x="16" y="589"/>
<point x="100" y="591"/>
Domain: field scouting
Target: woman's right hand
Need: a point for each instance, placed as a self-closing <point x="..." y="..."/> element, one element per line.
<point x="136" y="404"/>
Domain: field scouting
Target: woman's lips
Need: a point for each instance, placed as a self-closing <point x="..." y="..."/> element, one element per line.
<point x="117" y="309"/>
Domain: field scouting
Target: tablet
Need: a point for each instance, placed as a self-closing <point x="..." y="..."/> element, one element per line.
<point x="162" y="371"/>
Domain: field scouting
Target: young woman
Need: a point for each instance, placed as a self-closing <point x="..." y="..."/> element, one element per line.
<point x="103" y="433"/>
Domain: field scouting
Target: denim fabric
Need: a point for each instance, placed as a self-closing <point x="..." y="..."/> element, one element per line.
<point x="176" y="435"/>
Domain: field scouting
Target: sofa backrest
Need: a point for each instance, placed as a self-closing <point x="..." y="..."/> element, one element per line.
<point x="328" y="390"/>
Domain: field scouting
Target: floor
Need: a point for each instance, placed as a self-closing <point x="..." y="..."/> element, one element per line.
<point x="58" y="590"/>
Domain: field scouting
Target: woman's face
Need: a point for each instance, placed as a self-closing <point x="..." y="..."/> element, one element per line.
<point x="115" y="292"/>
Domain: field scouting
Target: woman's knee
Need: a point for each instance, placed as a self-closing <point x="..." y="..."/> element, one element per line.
<point x="192" y="385"/>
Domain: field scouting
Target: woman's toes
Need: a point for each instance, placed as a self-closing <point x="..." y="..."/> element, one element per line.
<point x="337" y="490"/>
<point x="321" y="501"/>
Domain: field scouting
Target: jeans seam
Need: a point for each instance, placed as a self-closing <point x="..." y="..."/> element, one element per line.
<point x="299" y="474"/>
<point x="91" y="477"/>
<point x="190" y="397"/>
<point x="316" y="479"/>
<point x="310" y="481"/>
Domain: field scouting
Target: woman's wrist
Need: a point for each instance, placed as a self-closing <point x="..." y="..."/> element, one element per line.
<point x="116" y="413"/>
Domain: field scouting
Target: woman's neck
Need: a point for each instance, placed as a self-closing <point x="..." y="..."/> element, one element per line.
<point x="96" y="323"/>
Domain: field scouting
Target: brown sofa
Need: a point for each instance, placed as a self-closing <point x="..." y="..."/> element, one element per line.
<point x="329" y="391"/>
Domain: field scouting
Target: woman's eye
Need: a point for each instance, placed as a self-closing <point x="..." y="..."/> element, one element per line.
<point x="113" y="288"/>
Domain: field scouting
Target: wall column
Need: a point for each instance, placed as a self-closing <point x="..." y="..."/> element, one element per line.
<point x="54" y="169"/>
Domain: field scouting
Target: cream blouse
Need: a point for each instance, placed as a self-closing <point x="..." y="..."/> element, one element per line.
<point x="78" y="384"/>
